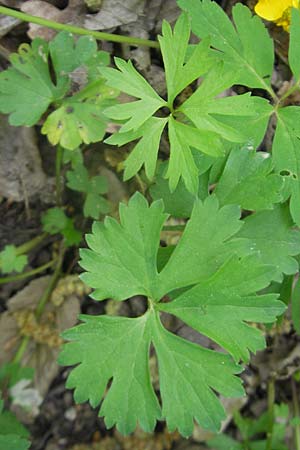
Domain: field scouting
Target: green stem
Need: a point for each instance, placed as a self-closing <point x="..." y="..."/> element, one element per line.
<point x="58" y="163"/>
<point x="78" y="30"/>
<point x="47" y="293"/>
<point x="29" y="245"/>
<point x="21" y="350"/>
<point x="271" y="402"/>
<point x="174" y="228"/>
<point x="30" y="273"/>
<point x="296" y="413"/>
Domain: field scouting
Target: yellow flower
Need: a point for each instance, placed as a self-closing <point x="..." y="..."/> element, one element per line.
<point x="278" y="11"/>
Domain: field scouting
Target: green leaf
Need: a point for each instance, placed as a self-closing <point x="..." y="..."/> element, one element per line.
<point x="180" y="202"/>
<point x="286" y="154"/>
<point x="26" y="88"/>
<point x="248" y="180"/>
<point x="11" y="426"/>
<point x="96" y="63"/>
<point x="11" y="261"/>
<point x="128" y="80"/>
<point x="247" y="48"/>
<point x="121" y="262"/>
<point x="74" y="123"/>
<point x="12" y="433"/>
<point x="93" y="188"/>
<point x="146" y="150"/>
<point x="206" y="112"/>
<point x="187" y="375"/>
<point x="205" y="244"/>
<point x="131" y="268"/>
<point x="295" y="421"/>
<point x="271" y="234"/>
<point x="219" y="306"/>
<point x="67" y="54"/>
<point x="182" y="164"/>
<point x="72" y="156"/>
<point x="253" y="128"/>
<point x="296" y="306"/>
<point x="13" y="372"/>
<point x="13" y="442"/>
<point x="294" y="47"/>
<point x="55" y="221"/>
<point x="114" y="347"/>
<point x="138" y="114"/>
<point x="223" y="442"/>
<point x="179" y="72"/>
<point x="80" y="118"/>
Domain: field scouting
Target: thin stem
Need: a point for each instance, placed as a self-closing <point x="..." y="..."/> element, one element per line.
<point x="29" y="245"/>
<point x="296" y="413"/>
<point x="21" y="350"/>
<point x="135" y="41"/>
<point x="271" y="402"/>
<point x="46" y="295"/>
<point x="174" y="228"/>
<point x="30" y="273"/>
<point x="58" y="163"/>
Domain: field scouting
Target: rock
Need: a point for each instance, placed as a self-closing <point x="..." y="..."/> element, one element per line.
<point x="21" y="173"/>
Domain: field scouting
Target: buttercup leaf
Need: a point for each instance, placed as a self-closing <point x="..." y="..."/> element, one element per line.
<point x="218" y="280"/>
<point x="246" y="47"/>
<point x="11" y="261"/>
<point x="26" y="88"/>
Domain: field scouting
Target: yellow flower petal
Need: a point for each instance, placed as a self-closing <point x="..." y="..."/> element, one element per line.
<point x="274" y="9"/>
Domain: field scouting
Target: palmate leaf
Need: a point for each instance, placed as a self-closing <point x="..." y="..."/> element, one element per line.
<point x="122" y="262"/>
<point x="246" y="48"/>
<point x="26" y="88"/>
<point x="138" y="115"/>
<point x="11" y="261"/>
<point x="207" y="122"/>
<point x="248" y="180"/>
